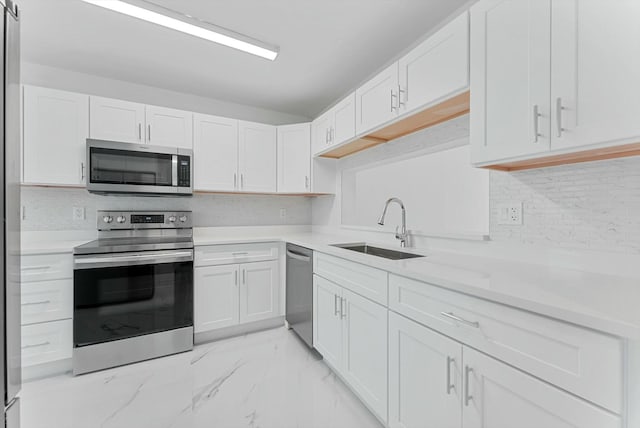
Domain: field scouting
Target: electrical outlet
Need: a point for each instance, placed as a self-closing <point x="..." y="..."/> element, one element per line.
<point x="510" y="214"/>
<point x="78" y="213"/>
<point x="283" y="213"/>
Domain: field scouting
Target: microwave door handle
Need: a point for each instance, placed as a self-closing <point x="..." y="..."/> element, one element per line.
<point x="174" y="170"/>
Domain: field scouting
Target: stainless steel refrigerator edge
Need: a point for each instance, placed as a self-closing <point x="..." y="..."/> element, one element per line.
<point x="299" y="313"/>
<point x="10" y="197"/>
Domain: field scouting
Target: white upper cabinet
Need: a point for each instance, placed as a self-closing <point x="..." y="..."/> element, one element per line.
<point x="321" y="132"/>
<point x="499" y="396"/>
<point x="116" y="120"/>
<point x="56" y="126"/>
<point x="215" y="148"/>
<point x="595" y="64"/>
<point x="510" y="78"/>
<point x="169" y="127"/>
<point x="377" y="100"/>
<point x="257" y="152"/>
<point x="437" y="68"/>
<point x="343" y="120"/>
<point x="294" y="158"/>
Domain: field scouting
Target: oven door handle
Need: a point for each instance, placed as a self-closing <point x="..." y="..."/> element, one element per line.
<point x="132" y="259"/>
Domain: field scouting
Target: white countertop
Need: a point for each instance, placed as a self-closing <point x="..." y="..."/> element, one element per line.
<point x="606" y="303"/>
<point x="603" y="302"/>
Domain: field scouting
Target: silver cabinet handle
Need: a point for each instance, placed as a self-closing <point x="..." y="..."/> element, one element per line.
<point x="25" y="268"/>
<point x="335" y="304"/>
<point x="235" y="180"/>
<point x="559" y="109"/>
<point x="536" y="120"/>
<point x="306" y="182"/>
<point x="400" y="102"/>
<point x="242" y="181"/>
<point x="36" y="345"/>
<point x="139" y="131"/>
<point x="451" y="315"/>
<point x="393" y="104"/>
<point x="449" y="385"/>
<point x="43" y="302"/>
<point x="244" y="276"/>
<point x="240" y="253"/>
<point x="81" y="171"/>
<point x="467" y="397"/>
<point x="149" y="132"/>
<point x="236" y="281"/>
<point x="343" y="307"/>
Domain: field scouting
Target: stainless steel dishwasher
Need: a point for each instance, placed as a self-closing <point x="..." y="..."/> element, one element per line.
<point x="299" y="314"/>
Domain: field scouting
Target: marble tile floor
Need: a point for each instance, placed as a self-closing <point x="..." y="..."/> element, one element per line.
<point x="267" y="379"/>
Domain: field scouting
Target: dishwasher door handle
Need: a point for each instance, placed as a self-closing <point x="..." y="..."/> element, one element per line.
<point x="297" y="256"/>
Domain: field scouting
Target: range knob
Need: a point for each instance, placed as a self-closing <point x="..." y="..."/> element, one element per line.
<point x="121" y="219"/>
<point x="172" y="219"/>
<point x="107" y="219"/>
<point x="183" y="218"/>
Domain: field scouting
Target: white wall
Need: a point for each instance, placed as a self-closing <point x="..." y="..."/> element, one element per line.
<point x="57" y="78"/>
<point x="51" y="209"/>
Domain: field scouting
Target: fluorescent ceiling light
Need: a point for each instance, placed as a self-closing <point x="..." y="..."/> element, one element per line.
<point x="180" y="23"/>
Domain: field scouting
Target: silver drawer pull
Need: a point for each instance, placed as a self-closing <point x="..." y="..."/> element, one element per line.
<point x="35" y="267"/>
<point x="43" y="302"/>
<point x="467" y="397"/>
<point x="450" y="315"/>
<point x="243" y="253"/>
<point x="36" y="345"/>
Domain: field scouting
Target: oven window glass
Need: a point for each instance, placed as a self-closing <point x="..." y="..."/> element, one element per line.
<point x="109" y="166"/>
<point x="120" y="302"/>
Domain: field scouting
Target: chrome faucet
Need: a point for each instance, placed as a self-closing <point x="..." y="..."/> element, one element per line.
<point x="402" y="235"/>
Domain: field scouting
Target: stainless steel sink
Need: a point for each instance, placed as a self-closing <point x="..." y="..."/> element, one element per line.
<point x="377" y="251"/>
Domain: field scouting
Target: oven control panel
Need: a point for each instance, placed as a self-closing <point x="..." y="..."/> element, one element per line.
<point x="129" y="220"/>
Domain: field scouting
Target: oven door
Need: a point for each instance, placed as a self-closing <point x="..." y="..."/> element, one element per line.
<point x="133" y="168"/>
<point x="124" y="295"/>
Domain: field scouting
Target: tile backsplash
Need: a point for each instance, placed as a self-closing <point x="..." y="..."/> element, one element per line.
<point x="587" y="206"/>
<point x="50" y="209"/>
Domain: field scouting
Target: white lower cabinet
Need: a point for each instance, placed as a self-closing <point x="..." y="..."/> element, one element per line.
<point x="46" y="342"/>
<point x="499" y="396"/>
<point x="215" y="297"/>
<point x="425" y="381"/>
<point x="350" y="332"/>
<point x="231" y="294"/>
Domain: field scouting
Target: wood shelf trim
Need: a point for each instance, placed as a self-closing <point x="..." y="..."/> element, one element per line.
<point x="448" y="109"/>
<point x="626" y="150"/>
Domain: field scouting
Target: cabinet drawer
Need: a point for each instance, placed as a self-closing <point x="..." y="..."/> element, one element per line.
<point x="43" y="267"/>
<point x="46" y="301"/>
<point x="579" y="360"/>
<point x="46" y="342"/>
<point x="213" y="255"/>
<point x="361" y="279"/>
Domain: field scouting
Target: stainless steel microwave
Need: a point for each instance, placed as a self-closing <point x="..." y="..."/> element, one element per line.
<point x="116" y="167"/>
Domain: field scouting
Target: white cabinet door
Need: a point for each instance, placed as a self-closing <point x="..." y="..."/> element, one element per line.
<point x="377" y="100"/>
<point x="344" y="120"/>
<point x="215" y="296"/>
<point x="294" y="158"/>
<point x="56" y="127"/>
<point x="499" y="396"/>
<point x="365" y="350"/>
<point x="168" y="127"/>
<point x="438" y="68"/>
<point x="259" y="291"/>
<point x="425" y="386"/>
<point x="257" y="146"/>
<point x="116" y="120"/>
<point x="595" y="67"/>
<point x="327" y="324"/>
<point x="510" y="78"/>
<point x="215" y="149"/>
<point x="321" y="132"/>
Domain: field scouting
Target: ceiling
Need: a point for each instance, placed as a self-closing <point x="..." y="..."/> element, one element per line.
<point x="327" y="47"/>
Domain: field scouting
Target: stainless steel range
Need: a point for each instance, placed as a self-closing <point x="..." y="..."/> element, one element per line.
<point x="133" y="290"/>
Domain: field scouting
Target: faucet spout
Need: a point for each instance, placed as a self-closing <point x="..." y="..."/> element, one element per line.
<point x="402" y="235"/>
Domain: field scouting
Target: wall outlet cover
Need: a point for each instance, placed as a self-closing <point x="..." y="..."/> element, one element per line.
<point x="78" y="213"/>
<point x="510" y="214"/>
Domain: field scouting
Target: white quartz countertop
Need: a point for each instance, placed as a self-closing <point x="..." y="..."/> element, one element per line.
<point x="602" y="302"/>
